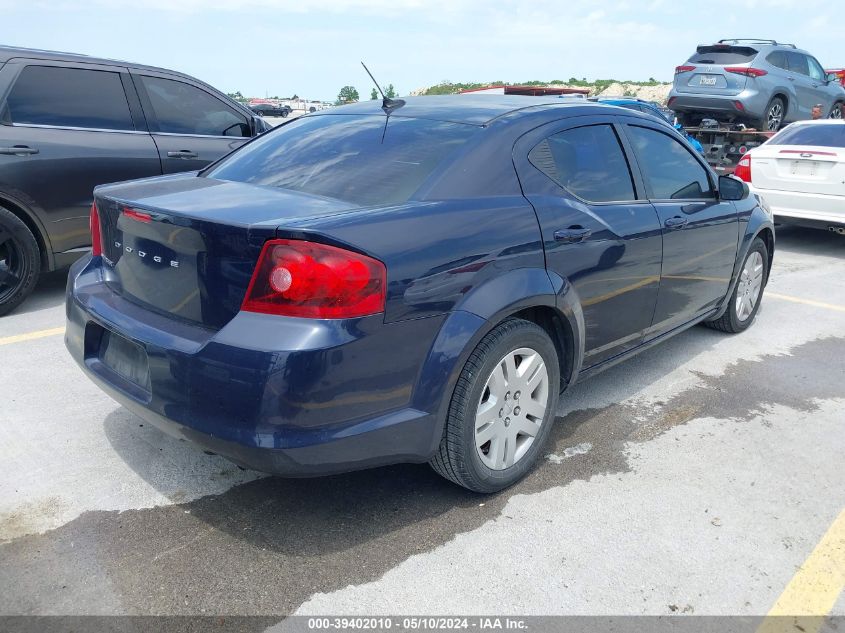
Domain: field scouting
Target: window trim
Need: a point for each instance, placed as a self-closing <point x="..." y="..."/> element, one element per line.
<point x="150" y="114"/>
<point x="71" y="128"/>
<point x="122" y="72"/>
<point x="614" y="128"/>
<point x="647" y="186"/>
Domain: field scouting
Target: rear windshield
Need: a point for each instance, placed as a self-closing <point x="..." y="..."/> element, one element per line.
<point x="829" y="135"/>
<point x="723" y="55"/>
<point x="366" y="160"/>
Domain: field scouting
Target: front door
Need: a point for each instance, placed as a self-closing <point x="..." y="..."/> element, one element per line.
<point x="700" y="232"/>
<point x="191" y="126"/>
<point x="598" y="233"/>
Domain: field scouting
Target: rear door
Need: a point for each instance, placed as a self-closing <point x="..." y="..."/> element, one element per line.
<point x="599" y="232"/>
<point x="700" y="232"/>
<point x="799" y="75"/>
<point x="67" y="128"/>
<point x="191" y="126"/>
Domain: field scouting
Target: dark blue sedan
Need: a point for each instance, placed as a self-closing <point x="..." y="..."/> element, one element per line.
<point x="410" y="283"/>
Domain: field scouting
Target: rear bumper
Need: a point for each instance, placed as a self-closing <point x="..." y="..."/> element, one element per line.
<point x="815" y="207"/>
<point x="754" y="103"/>
<point x="286" y="396"/>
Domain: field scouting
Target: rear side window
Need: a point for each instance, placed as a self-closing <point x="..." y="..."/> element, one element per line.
<point x="668" y="167"/>
<point x="588" y="161"/>
<point x="69" y="97"/>
<point x="722" y="55"/>
<point x="797" y="63"/>
<point x="367" y="160"/>
<point x="181" y="108"/>
<point x="778" y="59"/>
<point x="823" y="135"/>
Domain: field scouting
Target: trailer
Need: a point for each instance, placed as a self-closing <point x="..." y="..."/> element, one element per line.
<point x="725" y="144"/>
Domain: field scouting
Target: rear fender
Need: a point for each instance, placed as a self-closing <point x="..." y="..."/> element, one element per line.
<point x="480" y="311"/>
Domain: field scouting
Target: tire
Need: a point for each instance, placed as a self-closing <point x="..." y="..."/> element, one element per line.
<point x="836" y="110"/>
<point x="518" y="433"/>
<point x="20" y="261"/>
<point x="773" y="116"/>
<point x="736" y="318"/>
<point x="284" y="114"/>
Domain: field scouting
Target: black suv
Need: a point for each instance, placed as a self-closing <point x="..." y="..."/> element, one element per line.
<point x="71" y="122"/>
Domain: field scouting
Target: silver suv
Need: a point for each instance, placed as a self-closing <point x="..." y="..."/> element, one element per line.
<point x="760" y="82"/>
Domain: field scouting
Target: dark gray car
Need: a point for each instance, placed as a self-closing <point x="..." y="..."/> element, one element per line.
<point x="71" y="122"/>
<point x="761" y="82"/>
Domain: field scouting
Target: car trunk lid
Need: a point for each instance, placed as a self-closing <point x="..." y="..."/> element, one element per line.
<point x="800" y="169"/>
<point x="186" y="246"/>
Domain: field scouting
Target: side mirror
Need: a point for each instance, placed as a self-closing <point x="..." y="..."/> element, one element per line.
<point x="831" y="77"/>
<point x="259" y="125"/>
<point x="733" y="189"/>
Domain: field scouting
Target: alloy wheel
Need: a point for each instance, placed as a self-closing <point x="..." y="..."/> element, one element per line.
<point x="749" y="286"/>
<point x="836" y="112"/>
<point x="774" y="117"/>
<point x="11" y="265"/>
<point x="511" y="408"/>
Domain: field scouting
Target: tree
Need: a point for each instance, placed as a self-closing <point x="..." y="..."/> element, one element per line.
<point x="390" y="91"/>
<point x="237" y="96"/>
<point x="347" y="94"/>
<point x="373" y="94"/>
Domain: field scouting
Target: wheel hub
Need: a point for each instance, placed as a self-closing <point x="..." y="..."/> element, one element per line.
<point x="511" y="408"/>
<point x="749" y="286"/>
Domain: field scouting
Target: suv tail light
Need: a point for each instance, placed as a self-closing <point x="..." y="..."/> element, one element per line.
<point x="306" y="279"/>
<point x="683" y="69"/>
<point x="743" y="168"/>
<point x="744" y="70"/>
<point x="96" y="234"/>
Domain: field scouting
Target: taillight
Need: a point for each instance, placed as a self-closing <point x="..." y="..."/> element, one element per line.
<point x="140" y="216"/>
<point x="306" y="279"/>
<point x="96" y="235"/>
<point x="748" y="72"/>
<point x="683" y="69"/>
<point x="743" y="168"/>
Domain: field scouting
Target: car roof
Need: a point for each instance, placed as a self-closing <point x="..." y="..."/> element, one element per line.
<point x="13" y="52"/>
<point x="470" y="109"/>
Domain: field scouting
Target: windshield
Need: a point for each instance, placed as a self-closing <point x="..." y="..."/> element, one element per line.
<point x="819" y="135"/>
<point x="353" y="158"/>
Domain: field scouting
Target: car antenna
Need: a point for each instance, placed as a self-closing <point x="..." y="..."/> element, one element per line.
<point x="387" y="104"/>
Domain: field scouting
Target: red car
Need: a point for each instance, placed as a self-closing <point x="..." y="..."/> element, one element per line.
<point x="839" y="72"/>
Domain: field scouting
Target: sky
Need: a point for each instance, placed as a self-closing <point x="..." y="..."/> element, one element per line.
<point x="313" y="47"/>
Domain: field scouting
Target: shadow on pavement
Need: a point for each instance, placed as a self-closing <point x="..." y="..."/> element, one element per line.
<point x="805" y="241"/>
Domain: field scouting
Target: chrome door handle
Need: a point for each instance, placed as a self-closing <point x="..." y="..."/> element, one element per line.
<point x="572" y="235"/>
<point x="18" y="150"/>
<point x="182" y="153"/>
<point x="675" y="223"/>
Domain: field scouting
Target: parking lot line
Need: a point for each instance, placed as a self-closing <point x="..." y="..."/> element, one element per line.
<point x="17" y="338"/>
<point x="809" y="302"/>
<point x="815" y="588"/>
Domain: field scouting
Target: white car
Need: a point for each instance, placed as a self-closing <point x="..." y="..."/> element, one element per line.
<point x="800" y="173"/>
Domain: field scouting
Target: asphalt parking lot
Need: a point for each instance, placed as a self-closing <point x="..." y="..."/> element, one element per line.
<point x="703" y="476"/>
